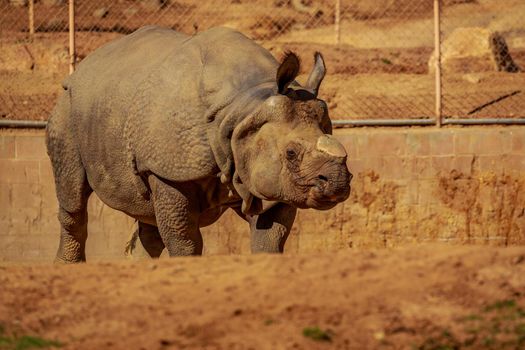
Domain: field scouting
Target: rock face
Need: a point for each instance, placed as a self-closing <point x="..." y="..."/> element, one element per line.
<point x="154" y="5"/>
<point x="474" y="49"/>
<point x="101" y="12"/>
<point x="18" y="3"/>
<point x="51" y="57"/>
<point x="53" y="2"/>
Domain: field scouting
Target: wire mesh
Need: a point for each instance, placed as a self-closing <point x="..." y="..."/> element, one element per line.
<point x="483" y="45"/>
<point x="379" y="53"/>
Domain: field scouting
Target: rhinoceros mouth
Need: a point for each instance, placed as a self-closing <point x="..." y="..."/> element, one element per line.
<point x="318" y="200"/>
<point x="322" y="205"/>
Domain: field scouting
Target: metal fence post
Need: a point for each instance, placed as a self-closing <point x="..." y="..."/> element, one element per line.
<point x="71" y="36"/>
<point x="337" y="24"/>
<point x="437" y="57"/>
<point x="31" y="19"/>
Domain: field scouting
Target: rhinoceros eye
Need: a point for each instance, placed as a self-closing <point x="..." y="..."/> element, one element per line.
<point x="290" y="154"/>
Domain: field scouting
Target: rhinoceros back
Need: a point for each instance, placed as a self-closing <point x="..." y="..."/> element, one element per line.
<point x="144" y="100"/>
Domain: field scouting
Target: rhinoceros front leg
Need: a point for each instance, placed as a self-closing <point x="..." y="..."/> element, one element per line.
<point x="177" y="214"/>
<point x="270" y="230"/>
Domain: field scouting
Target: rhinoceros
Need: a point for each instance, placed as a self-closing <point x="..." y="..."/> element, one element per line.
<point x="174" y="129"/>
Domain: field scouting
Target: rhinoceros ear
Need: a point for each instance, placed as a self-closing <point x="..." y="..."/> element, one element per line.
<point x="317" y="74"/>
<point x="287" y="71"/>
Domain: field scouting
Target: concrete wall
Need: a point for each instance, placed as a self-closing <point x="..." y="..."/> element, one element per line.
<point x="457" y="185"/>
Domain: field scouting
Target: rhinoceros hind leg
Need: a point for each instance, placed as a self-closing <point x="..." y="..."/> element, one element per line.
<point x="71" y="184"/>
<point x="145" y="242"/>
<point x="73" y="193"/>
<point x="73" y="236"/>
<point x="177" y="214"/>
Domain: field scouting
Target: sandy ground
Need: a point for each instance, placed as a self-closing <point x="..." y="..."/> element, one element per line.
<point x="423" y="297"/>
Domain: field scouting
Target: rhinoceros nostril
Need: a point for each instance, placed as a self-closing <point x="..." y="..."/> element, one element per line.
<point x="322" y="178"/>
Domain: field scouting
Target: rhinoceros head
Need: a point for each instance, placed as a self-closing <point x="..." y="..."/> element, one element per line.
<point x="284" y="150"/>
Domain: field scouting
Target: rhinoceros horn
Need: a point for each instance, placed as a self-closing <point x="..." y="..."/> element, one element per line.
<point x="329" y="145"/>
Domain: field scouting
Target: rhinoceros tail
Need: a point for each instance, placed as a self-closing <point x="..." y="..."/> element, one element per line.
<point x="131" y="243"/>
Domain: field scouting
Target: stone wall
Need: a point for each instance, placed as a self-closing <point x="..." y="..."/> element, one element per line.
<point x="457" y="185"/>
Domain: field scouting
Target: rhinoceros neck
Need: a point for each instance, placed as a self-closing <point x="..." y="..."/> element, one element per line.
<point x="225" y="119"/>
<point x="245" y="102"/>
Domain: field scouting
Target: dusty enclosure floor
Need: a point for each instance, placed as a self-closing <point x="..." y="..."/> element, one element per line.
<point x="420" y="297"/>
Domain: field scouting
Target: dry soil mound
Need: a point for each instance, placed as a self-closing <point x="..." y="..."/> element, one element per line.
<point x="420" y="297"/>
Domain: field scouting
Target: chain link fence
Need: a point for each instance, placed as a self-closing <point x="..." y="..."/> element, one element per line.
<point x="379" y="53"/>
<point x="483" y="59"/>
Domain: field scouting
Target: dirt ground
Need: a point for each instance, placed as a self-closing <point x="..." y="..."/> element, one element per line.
<point x="379" y="70"/>
<point x="421" y="297"/>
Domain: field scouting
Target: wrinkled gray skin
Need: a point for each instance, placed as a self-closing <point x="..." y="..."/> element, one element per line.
<point x="174" y="129"/>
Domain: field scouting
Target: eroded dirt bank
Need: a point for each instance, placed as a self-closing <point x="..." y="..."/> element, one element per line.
<point x="422" y="297"/>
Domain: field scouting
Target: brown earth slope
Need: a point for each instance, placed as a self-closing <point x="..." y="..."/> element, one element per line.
<point x="379" y="70"/>
<point x="421" y="297"/>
